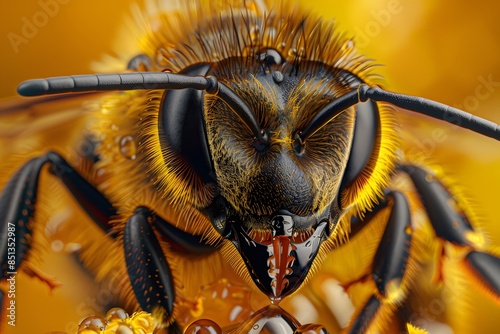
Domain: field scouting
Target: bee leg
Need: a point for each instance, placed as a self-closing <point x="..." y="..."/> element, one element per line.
<point x="181" y="241"/>
<point x="390" y="262"/>
<point x="485" y="268"/>
<point x="148" y="269"/>
<point x="18" y="203"/>
<point x="451" y="224"/>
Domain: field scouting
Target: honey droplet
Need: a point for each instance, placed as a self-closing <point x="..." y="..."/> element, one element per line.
<point x="311" y="329"/>
<point x="203" y="326"/>
<point x="92" y="323"/>
<point x="116" y="313"/>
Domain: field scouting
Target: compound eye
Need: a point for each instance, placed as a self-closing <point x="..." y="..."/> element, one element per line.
<point x="298" y="144"/>
<point x="181" y="125"/>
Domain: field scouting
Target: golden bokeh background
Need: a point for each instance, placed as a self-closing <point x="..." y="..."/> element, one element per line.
<point x="443" y="50"/>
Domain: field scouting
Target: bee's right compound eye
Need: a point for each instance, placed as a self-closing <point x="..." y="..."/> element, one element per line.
<point x="182" y="126"/>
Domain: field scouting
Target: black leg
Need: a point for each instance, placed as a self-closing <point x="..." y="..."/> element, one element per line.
<point x="448" y="221"/>
<point x="147" y="267"/>
<point x="486" y="268"/>
<point x="181" y="241"/>
<point x="390" y="262"/>
<point x="366" y="316"/>
<point x="18" y="204"/>
<point x="451" y="224"/>
<point x="391" y="258"/>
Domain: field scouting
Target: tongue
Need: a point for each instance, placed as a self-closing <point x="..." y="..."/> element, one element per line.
<point x="280" y="263"/>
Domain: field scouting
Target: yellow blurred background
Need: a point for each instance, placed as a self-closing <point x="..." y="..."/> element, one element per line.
<point x="423" y="44"/>
<point x="447" y="51"/>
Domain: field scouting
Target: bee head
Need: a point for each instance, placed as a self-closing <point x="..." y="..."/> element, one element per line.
<point x="277" y="198"/>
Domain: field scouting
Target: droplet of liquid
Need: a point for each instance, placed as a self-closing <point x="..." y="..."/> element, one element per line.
<point x="278" y="77"/>
<point x="128" y="148"/>
<point x="311" y="329"/>
<point x="57" y="246"/>
<point x="116" y="313"/>
<point x="203" y="326"/>
<point x="92" y="323"/>
<point x="270" y="57"/>
<point x="348" y="46"/>
<point x="275" y="300"/>
<point x="267" y="321"/>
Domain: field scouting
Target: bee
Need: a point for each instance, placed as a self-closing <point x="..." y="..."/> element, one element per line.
<point x="248" y="146"/>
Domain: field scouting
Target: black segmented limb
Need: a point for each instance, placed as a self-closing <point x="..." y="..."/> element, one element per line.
<point x="181" y="241"/>
<point x="148" y="269"/>
<point x="486" y="268"/>
<point x="452" y="225"/>
<point x="391" y="258"/>
<point x="18" y="205"/>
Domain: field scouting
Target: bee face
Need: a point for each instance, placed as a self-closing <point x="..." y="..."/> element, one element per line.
<point x="269" y="187"/>
<point x="281" y="192"/>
